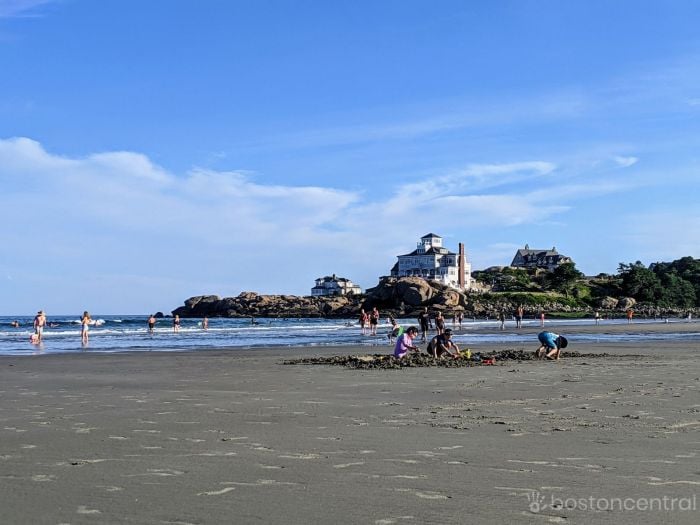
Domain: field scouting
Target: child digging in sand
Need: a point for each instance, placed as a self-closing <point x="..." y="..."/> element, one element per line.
<point x="550" y="345"/>
<point x="404" y="343"/>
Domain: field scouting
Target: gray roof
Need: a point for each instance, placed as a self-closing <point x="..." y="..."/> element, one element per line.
<point x="430" y="251"/>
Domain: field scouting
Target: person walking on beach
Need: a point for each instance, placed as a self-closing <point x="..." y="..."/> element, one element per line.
<point x="439" y="322"/>
<point x="630" y="313"/>
<point x="550" y="345"/>
<point x="542" y="318"/>
<point x="460" y="318"/>
<point x="84" y="327"/>
<point x="176" y="323"/>
<point x="404" y="343"/>
<point x="39" y="325"/>
<point x="424" y="322"/>
<point x="373" y="321"/>
<point x="205" y="323"/>
<point x="519" y="313"/>
<point x="442" y="344"/>
<point x="151" y="323"/>
<point x="502" y="319"/>
<point x="596" y="316"/>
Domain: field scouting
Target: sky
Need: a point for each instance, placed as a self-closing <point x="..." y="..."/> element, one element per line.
<point x="154" y="151"/>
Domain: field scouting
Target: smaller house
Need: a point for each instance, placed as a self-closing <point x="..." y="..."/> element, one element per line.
<point x="540" y="259"/>
<point x="332" y="285"/>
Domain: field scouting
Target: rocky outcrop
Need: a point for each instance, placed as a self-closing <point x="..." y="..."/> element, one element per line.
<point x="400" y="297"/>
<point x="251" y="304"/>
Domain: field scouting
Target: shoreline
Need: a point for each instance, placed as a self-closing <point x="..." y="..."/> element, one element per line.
<point x="222" y="436"/>
<point x="636" y="332"/>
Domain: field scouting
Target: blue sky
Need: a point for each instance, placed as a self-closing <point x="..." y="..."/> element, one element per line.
<point x="152" y="151"/>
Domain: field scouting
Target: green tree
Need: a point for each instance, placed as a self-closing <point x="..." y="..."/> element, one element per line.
<point x="639" y="282"/>
<point x="563" y="278"/>
<point x="676" y="291"/>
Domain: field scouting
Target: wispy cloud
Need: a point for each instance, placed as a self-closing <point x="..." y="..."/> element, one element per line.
<point x="626" y="162"/>
<point x="118" y="214"/>
<point x="21" y="8"/>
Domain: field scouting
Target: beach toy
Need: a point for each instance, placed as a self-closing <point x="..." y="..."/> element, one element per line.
<point x="487" y="361"/>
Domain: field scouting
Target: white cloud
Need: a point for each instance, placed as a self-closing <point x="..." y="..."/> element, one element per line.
<point x="626" y="162"/>
<point x="117" y="228"/>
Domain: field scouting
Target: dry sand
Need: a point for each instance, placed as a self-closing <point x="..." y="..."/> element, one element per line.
<point x="237" y="437"/>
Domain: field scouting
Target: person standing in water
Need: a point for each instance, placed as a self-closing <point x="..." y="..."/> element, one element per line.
<point x="39" y="325"/>
<point x="502" y="319"/>
<point x="373" y="321"/>
<point x="424" y="322"/>
<point x="519" y="313"/>
<point x="439" y="322"/>
<point x="84" y="327"/>
<point x="151" y="323"/>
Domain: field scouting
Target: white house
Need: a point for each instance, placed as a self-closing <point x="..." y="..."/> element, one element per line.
<point x="332" y="285"/>
<point x="431" y="261"/>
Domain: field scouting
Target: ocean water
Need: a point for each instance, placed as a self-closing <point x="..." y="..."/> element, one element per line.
<point x="120" y="333"/>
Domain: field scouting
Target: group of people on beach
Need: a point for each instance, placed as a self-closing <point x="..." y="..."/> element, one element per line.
<point x="442" y="345"/>
<point x="40" y="323"/>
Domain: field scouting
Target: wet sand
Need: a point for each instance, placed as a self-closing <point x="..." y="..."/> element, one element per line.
<point x="237" y="437"/>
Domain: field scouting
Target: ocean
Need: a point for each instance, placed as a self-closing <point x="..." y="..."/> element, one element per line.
<point x="122" y="333"/>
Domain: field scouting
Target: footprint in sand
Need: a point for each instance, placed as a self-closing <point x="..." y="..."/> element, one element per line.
<point x="346" y="465"/>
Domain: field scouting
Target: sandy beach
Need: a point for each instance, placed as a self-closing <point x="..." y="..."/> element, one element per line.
<point x="238" y="437"/>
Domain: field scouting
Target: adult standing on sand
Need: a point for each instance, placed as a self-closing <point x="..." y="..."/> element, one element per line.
<point x="550" y="345"/>
<point x="405" y="342"/>
<point x="39" y="325"/>
<point x="519" y="313"/>
<point x="630" y="314"/>
<point x="542" y="318"/>
<point x="151" y="323"/>
<point x="84" y="327"/>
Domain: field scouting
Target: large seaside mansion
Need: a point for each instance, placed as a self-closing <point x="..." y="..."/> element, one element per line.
<point x="332" y="285"/>
<point x="431" y="261"/>
<point x="541" y="259"/>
